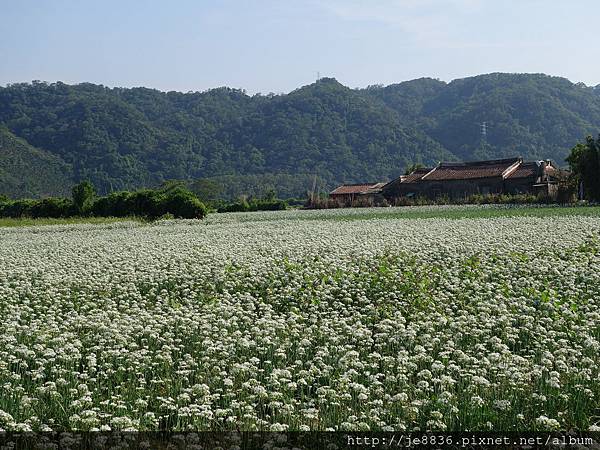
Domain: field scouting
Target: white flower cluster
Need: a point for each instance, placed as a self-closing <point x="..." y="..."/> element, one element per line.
<point x="302" y="320"/>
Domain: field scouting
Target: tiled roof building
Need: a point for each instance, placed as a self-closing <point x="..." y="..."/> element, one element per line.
<point x="356" y="189"/>
<point x="350" y="193"/>
<point x="416" y="174"/>
<point x="461" y="180"/>
<point x="473" y="170"/>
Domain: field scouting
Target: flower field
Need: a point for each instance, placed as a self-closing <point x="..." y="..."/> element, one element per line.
<point x="267" y="321"/>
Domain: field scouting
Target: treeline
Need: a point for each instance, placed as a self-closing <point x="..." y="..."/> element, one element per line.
<point x="147" y="203"/>
<point x="267" y="203"/>
<point x="172" y="199"/>
<point x="227" y="188"/>
<point x="208" y="192"/>
<point x="584" y="162"/>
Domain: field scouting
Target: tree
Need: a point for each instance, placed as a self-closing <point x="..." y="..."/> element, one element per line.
<point x="172" y="185"/>
<point x="208" y="191"/>
<point x="410" y="169"/>
<point x="584" y="162"/>
<point x="83" y="195"/>
<point x="184" y="204"/>
<point x="270" y="195"/>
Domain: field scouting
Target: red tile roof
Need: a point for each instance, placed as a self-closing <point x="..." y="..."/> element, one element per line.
<point x="470" y="170"/>
<point x="416" y="175"/>
<point x="525" y="170"/>
<point x="376" y="187"/>
<point x="355" y="188"/>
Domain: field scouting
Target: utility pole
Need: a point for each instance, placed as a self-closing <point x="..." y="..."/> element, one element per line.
<point x="484" y="129"/>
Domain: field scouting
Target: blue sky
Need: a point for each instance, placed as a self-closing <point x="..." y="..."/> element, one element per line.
<point x="277" y="46"/>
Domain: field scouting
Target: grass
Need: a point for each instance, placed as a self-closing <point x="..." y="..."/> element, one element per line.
<point x="28" y="222"/>
<point x="345" y="214"/>
<point x="412" y="212"/>
<point x="470" y="212"/>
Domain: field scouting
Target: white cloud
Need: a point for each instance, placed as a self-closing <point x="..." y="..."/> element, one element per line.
<point x="444" y="24"/>
<point x="429" y="22"/>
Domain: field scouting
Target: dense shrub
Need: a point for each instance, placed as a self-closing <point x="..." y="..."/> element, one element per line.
<point x="116" y="204"/>
<point x="479" y="199"/>
<point x="254" y="205"/>
<point x="240" y="206"/>
<point x="411" y="201"/>
<point x="292" y="201"/>
<point x="17" y="208"/>
<point x="47" y="207"/>
<point x="52" y="207"/>
<point x="151" y="204"/>
<point x="505" y="199"/>
<point x="147" y="203"/>
<point x="182" y="204"/>
<point x="271" y="205"/>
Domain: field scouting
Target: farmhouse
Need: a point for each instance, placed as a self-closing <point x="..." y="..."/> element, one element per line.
<point x="461" y="180"/>
<point x="348" y="194"/>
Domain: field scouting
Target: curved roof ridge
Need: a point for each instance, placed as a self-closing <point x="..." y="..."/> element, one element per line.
<point x="485" y="162"/>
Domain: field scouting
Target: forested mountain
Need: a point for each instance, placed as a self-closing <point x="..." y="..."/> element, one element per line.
<point x="535" y="116"/>
<point x="127" y="138"/>
<point x="26" y="171"/>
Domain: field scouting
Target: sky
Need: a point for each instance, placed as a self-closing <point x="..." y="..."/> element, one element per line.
<point x="279" y="45"/>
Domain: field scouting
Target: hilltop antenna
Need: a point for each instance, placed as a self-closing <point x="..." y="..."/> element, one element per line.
<point x="318" y="75"/>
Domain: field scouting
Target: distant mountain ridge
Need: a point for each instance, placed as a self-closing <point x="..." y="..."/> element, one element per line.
<point x="127" y="138"/>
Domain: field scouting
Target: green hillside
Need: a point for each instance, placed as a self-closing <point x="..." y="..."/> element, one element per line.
<point x="26" y="171"/>
<point x="128" y="138"/>
<point x="532" y="115"/>
<point x="535" y="116"/>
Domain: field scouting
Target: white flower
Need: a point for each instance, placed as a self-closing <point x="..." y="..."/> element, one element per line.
<point x="476" y="400"/>
<point x="546" y="423"/>
<point x="303" y="319"/>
